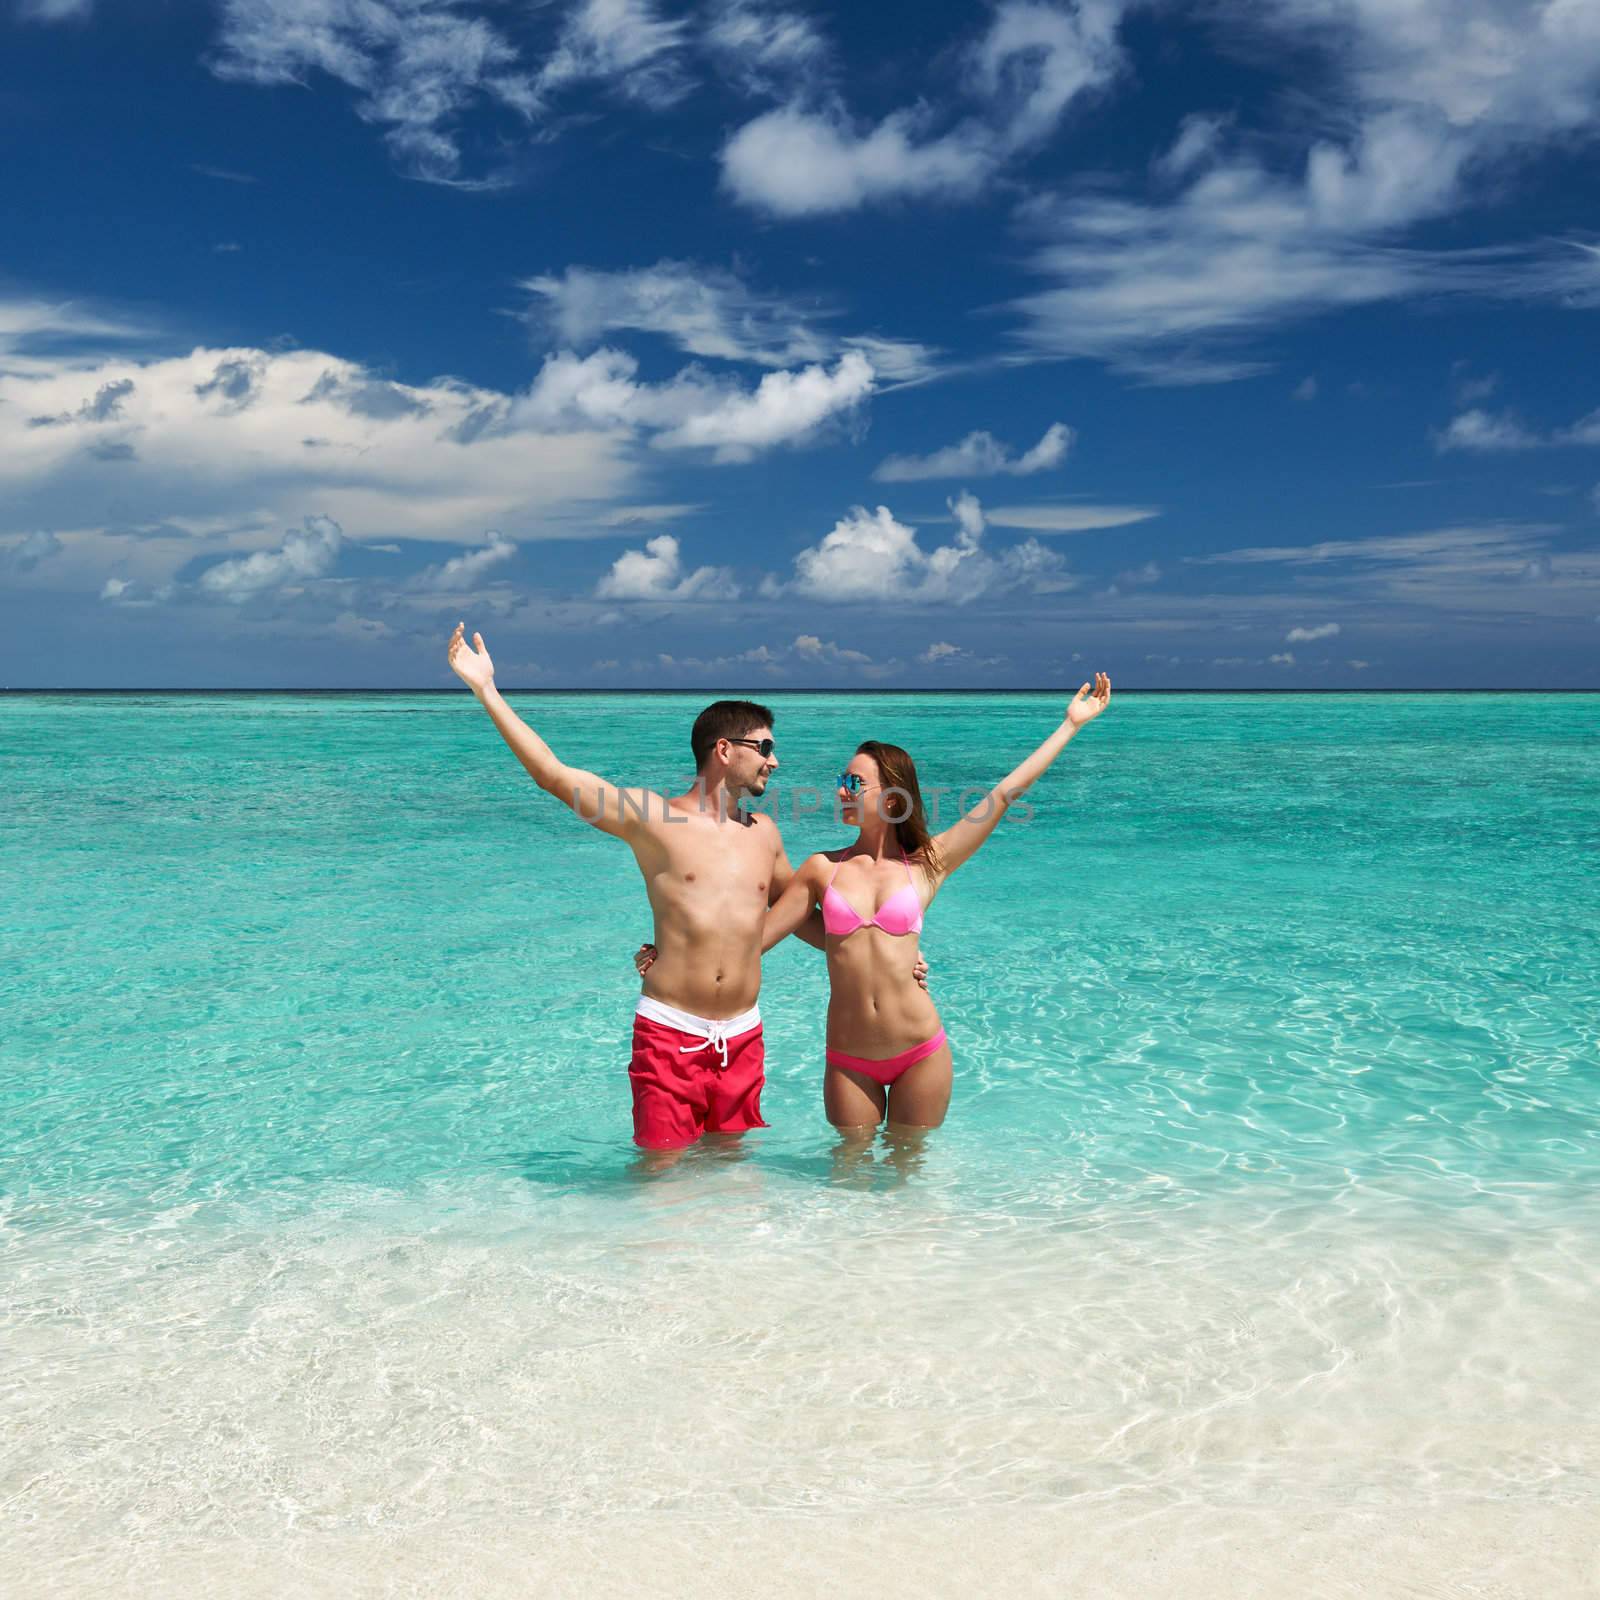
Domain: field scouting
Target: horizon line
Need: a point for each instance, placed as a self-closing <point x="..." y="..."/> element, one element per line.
<point x="658" y="689"/>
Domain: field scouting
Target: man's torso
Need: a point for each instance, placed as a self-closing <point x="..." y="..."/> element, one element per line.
<point x="708" y="884"/>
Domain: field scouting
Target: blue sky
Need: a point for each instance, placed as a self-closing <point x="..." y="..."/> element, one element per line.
<point x="750" y="346"/>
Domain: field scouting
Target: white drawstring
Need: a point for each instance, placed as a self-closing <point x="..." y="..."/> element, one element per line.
<point x="717" y="1039"/>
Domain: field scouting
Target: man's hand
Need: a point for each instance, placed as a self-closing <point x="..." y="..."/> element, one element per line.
<point x="472" y="666"/>
<point x="1087" y="704"/>
<point x="919" y="970"/>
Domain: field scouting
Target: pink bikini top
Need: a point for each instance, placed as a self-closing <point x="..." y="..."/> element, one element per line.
<point x="900" y="914"/>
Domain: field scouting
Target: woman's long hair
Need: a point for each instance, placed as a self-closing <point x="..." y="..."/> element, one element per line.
<point x="898" y="774"/>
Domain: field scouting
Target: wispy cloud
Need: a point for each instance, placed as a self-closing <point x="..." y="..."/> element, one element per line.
<point x="415" y="65"/>
<point x="624" y="44"/>
<point x="1031" y="63"/>
<point x="55" y="10"/>
<point x="226" y="174"/>
<point x="980" y="455"/>
<point x="705" y="311"/>
<point x="1470" y="544"/>
<point x="711" y="312"/>
<point x="1068" y="518"/>
<point x="1430" y="97"/>
<point x="466" y="571"/>
<point x="764" y="48"/>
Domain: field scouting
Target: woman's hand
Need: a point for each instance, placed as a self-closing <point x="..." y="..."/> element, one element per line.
<point x="1087" y="704"/>
<point x="472" y="666"/>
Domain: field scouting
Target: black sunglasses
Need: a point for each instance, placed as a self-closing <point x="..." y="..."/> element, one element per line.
<point x="762" y="747"/>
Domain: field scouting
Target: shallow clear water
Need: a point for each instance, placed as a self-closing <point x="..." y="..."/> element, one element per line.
<point x="1269" y="1178"/>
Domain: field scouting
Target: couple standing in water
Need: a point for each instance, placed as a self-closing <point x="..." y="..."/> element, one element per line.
<point x="723" y="892"/>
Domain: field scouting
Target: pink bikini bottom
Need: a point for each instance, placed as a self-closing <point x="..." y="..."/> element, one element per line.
<point x="885" y="1072"/>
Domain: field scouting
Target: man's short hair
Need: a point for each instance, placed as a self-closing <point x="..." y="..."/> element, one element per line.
<point x="725" y="719"/>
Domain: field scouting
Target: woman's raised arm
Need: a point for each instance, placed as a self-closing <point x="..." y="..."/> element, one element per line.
<point x="790" y="910"/>
<point x="959" y="842"/>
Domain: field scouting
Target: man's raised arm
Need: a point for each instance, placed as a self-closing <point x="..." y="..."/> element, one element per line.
<point x="601" y="804"/>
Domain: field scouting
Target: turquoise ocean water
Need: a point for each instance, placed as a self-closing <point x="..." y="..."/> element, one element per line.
<point x="1270" y="1173"/>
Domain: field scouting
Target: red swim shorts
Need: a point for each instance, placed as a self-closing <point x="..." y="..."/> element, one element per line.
<point x="692" y="1076"/>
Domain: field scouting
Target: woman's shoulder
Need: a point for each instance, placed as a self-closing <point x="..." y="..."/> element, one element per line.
<point x="824" y="862"/>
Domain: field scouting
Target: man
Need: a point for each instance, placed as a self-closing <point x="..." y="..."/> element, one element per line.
<point x="711" y="870"/>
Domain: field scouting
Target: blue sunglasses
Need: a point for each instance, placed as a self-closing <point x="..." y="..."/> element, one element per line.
<point x="851" y="782"/>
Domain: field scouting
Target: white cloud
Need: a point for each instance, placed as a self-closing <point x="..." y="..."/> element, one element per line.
<point x="1488" y="431"/>
<point x="785" y="407"/>
<point x="1481" y="430"/>
<point x="306" y="552"/>
<point x="1324" y="630"/>
<point x="1028" y="67"/>
<point x="809" y="647"/>
<point x="1306" y="389"/>
<point x="980" y="455"/>
<point x="1286" y="659"/>
<point x="1358" y="666"/>
<point x="1037" y="58"/>
<point x="799" y="163"/>
<point x="1068" y="518"/>
<point x="30" y="550"/>
<point x="623" y="43"/>
<point x="417" y="66"/>
<point x="464" y="571"/>
<point x="763" y="48"/>
<point x="693" y="410"/>
<point x="130" y="594"/>
<point x="942" y="652"/>
<point x="1199" y="134"/>
<point x="869" y="556"/>
<point x="656" y="573"/>
<point x="1586" y="430"/>
<point x="252" y="437"/>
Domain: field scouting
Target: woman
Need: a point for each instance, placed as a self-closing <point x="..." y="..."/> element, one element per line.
<point x="886" y="1050"/>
